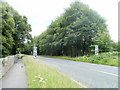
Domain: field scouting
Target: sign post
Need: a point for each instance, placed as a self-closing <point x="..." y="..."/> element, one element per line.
<point x="35" y="51"/>
<point x="96" y="50"/>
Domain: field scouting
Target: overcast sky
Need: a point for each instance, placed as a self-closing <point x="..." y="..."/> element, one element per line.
<point x="40" y="13"/>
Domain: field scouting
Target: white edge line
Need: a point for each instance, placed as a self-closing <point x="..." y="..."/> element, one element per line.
<point x="79" y="83"/>
<point x="106" y="73"/>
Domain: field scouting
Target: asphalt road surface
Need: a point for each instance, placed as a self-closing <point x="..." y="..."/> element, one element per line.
<point x="90" y="75"/>
<point x="15" y="77"/>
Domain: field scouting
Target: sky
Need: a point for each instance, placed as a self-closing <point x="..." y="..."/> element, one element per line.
<point x="40" y="13"/>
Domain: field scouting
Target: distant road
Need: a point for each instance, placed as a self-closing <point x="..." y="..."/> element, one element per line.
<point x="90" y="75"/>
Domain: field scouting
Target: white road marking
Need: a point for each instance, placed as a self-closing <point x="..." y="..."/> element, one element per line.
<point x="106" y="73"/>
<point x="80" y="83"/>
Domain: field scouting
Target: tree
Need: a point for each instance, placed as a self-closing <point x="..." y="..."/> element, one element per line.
<point x="22" y="29"/>
<point x="74" y="32"/>
<point x="14" y="30"/>
<point x="7" y="30"/>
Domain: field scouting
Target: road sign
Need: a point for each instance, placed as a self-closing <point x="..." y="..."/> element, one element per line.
<point x="96" y="50"/>
<point x="35" y="51"/>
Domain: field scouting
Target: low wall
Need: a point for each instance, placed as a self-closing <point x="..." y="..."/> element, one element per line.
<point x="6" y="64"/>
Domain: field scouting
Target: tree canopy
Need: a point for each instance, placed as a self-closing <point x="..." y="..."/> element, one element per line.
<point x="74" y="33"/>
<point x="14" y="30"/>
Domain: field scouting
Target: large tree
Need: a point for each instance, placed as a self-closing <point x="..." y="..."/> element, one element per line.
<point x="14" y="30"/>
<point x="74" y="32"/>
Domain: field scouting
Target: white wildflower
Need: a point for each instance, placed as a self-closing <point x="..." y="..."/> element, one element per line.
<point x="39" y="75"/>
<point x="34" y="80"/>
<point x="36" y="76"/>
<point x="41" y="78"/>
<point x="43" y="81"/>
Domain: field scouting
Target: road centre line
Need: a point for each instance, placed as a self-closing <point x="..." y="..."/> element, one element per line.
<point x="106" y="73"/>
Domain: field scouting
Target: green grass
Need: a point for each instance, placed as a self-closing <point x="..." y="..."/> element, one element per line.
<point x="52" y="78"/>
<point x="109" y="58"/>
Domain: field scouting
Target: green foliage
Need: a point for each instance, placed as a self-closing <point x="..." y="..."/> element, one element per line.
<point x="109" y="58"/>
<point x="15" y="30"/>
<point x="27" y="48"/>
<point x="73" y="33"/>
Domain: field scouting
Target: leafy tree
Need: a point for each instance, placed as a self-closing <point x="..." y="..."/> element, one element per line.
<point x="74" y="32"/>
<point x="14" y="30"/>
<point x="7" y="30"/>
<point x="22" y="29"/>
<point x="115" y="46"/>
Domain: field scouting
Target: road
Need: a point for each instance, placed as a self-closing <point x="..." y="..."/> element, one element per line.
<point x="15" y="77"/>
<point x="90" y="75"/>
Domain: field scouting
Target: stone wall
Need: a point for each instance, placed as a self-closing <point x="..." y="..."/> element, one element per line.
<point x="6" y="64"/>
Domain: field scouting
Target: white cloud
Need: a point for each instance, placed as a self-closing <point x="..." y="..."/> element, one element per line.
<point x="41" y="12"/>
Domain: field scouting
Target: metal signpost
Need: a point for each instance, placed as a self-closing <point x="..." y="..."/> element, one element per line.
<point x="96" y="50"/>
<point x="35" y="52"/>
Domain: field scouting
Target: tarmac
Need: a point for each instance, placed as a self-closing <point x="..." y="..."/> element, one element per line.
<point x="15" y="77"/>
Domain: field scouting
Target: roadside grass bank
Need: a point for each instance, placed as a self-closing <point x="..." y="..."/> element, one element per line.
<point x="41" y="75"/>
<point x="109" y="58"/>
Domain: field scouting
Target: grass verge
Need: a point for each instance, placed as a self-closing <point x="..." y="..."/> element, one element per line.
<point x="41" y="75"/>
<point x="109" y="58"/>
